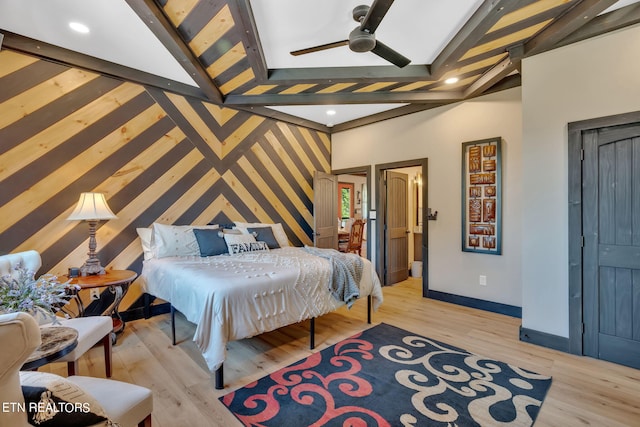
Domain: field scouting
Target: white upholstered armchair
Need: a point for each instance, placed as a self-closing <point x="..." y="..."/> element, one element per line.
<point x="91" y="330"/>
<point x="126" y="404"/>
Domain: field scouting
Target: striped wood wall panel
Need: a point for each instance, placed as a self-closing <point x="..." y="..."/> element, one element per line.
<point x="159" y="157"/>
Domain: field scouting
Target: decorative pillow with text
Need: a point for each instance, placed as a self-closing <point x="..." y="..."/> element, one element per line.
<point x="238" y="248"/>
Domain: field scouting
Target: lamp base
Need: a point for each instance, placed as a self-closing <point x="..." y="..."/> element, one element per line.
<point x="91" y="267"/>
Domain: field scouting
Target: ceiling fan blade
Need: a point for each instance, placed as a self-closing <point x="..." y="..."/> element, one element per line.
<point x="376" y="12"/>
<point x="320" y="47"/>
<point x="385" y="52"/>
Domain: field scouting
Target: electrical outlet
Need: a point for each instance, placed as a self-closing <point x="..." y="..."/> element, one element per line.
<point x="483" y="280"/>
<point x="95" y="294"/>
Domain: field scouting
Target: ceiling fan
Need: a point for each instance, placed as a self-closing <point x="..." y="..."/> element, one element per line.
<point x="362" y="38"/>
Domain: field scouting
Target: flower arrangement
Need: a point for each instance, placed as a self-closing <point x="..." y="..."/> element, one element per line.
<point x="21" y="291"/>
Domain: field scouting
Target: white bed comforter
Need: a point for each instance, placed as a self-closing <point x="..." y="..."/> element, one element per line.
<point x="240" y="296"/>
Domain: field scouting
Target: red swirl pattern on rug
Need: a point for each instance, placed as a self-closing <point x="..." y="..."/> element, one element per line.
<point x="388" y="376"/>
<point x="294" y="382"/>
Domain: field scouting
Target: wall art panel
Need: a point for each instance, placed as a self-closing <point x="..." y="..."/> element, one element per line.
<point x="482" y="196"/>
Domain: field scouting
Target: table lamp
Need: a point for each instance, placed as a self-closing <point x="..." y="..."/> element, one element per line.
<point x="91" y="207"/>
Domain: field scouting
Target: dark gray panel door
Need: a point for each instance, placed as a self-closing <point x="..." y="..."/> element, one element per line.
<point x="611" y="257"/>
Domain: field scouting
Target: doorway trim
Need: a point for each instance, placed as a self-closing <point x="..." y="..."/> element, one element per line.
<point x="379" y="171"/>
<point x="359" y="170"/>
<point x="575" y="148"/>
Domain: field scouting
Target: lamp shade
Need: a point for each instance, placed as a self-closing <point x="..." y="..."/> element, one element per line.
<point x="91" y="206"/>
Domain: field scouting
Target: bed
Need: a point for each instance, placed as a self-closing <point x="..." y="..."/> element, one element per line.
<point x="240" y="295"/>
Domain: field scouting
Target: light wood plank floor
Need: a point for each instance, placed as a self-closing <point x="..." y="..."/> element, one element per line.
<point x="584" y="391"/>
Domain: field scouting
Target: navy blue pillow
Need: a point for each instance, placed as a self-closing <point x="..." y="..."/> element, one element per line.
<point x="70" y="413"/>
<point x="265" y="234"/>
<point x="210" y="241"/>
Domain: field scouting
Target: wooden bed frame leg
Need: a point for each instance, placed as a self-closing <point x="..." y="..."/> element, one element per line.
<point x="173" y="324"/>
<point x="219" y="378"/>
<point x="312" y="333"/>
<point x="369" y="299"/>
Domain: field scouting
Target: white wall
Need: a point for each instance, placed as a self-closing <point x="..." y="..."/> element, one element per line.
<point x="594" y="78"/>
<point x="438" y="135"/>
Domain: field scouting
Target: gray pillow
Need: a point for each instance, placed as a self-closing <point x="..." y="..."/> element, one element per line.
<point x="265" y="234"/>
<point x="211" y="242"/>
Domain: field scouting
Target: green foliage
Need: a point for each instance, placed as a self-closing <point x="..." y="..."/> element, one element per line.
<point x="346" y="203"/>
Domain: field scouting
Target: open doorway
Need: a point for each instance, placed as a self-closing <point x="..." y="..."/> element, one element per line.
<point x="346" y="198"/>
<point x="358" y="182"/>
<point x="395" y="234"/>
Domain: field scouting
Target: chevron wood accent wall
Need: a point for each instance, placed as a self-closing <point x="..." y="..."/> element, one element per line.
<point x="158" y="157"/>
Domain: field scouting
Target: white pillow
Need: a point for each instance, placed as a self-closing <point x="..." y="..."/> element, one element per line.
<point x="278" y="231"/>
<point x="239" y="243"/>
<point x="176" y="240"/>
<point x="146" y="234"/>
<point x="232" y="239"/>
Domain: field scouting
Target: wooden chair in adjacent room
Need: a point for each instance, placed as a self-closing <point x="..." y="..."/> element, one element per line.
<point x="354" y="244"/>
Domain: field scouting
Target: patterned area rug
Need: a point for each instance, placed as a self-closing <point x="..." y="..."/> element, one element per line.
<point x="386" y="376"/>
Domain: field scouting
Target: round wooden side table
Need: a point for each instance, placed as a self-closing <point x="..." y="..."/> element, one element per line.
<point x="118" y="282"/>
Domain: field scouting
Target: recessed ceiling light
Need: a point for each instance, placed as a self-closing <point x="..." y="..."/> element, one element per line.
<point x="451" y="80"/>
<point x="331" y="112"/>
<point x="81" y="28"/>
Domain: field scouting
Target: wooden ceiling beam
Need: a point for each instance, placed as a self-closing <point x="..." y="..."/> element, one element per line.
<point x="162" y="28"/>
<point x="497" y="73"/>
<point x="332" y="75"/>
<point x="243" y="14"/>
<point x="504" y="84"/>
<point x="601" y="24"/>
<point x="485" y="17"/>
<point x="342" y="98"/>
<point x="284" y="117"/>
<point x="576" y="17"/>
<point x="75" y="59"/>
<point x="386" y="115"/>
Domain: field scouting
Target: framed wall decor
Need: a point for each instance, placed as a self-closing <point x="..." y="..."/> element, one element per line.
<point x="482" y="196"/>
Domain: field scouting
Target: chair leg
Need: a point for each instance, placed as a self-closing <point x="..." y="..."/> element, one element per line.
<point x="72" y="368"/>
<point x="108" y="348"/>
<point x="146" y="422"/>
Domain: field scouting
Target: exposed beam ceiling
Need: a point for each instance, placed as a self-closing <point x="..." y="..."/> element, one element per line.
<point x="224" y="49"/>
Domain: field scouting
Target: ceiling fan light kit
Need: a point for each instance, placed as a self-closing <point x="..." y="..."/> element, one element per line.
<point x="361" y="41"/>
<point x="362" y="38"/>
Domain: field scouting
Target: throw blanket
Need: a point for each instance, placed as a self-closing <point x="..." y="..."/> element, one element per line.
<point x="346" y="272"/>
